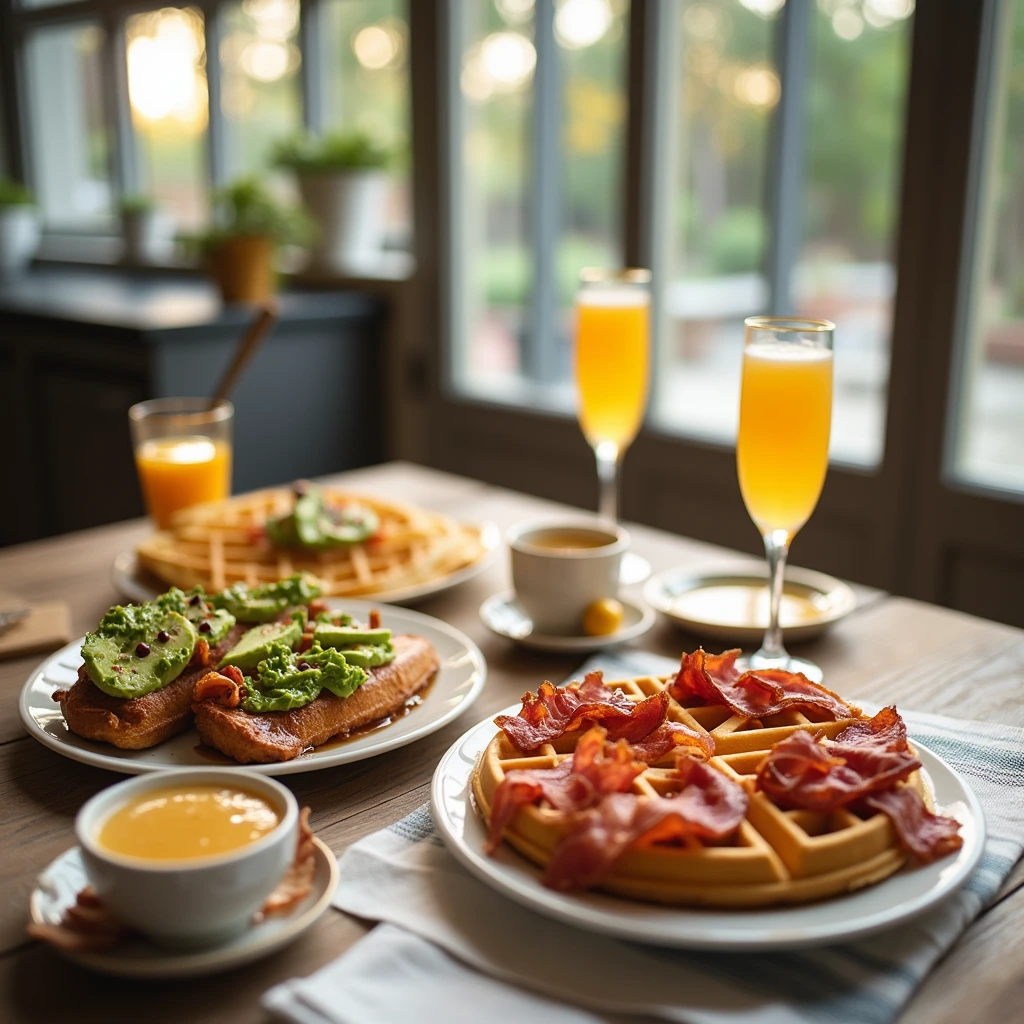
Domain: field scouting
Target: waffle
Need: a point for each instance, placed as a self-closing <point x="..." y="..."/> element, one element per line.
<point x="221" y="543"/>
<point x="776" y="856"/>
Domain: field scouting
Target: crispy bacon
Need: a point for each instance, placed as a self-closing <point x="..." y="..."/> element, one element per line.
<point x="374" y="621"/>
<point x="225" y="687"/>
<point x="801" y="772"/>
<point x="715" y="679"/>
<point x="201" y="654"/>
<point x="670" y="735"/>
<point x="925" y="835"/>
<point x="597" y="767"/>
<point x="886" y="729"/>
<point x="708" y="805"/>
<point x="558" y="710"/>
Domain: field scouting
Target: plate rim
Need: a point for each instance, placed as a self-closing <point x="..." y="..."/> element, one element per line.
<point x="574" y="644"/>
<point x="200" y="962"/>
<point x="125" y="567"/>
<point x="526" y="890"/>
<point x="298" y="765"/>
<point x="653" y="594"/>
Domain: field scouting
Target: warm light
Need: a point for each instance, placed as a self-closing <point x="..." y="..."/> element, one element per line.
<point x="164" y="78"/>
<point x="766" y="8"/>
<point x="508" y="59"/>
<point x="757" y="86"/>
<point x="265" y="61"/>
<point x="847" y="23"/>
<point x="702" y="21"/>
<point x="514" y="12"/>
<point x="374" y="47"/>
<point x="581" y="23"/>
<point x="275" y="20"/>
<point x="882" y="13"/>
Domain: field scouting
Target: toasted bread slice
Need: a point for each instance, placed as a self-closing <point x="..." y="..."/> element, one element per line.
<point x="283" y="735"/>
<point x="137" y="722"/>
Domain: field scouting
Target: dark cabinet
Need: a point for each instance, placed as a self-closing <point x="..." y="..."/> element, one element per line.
<point x="78" y="348"/>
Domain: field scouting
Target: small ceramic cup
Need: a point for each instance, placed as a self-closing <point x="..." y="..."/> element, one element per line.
<point x="197" y="902"/>
<point x="562" y="566"/>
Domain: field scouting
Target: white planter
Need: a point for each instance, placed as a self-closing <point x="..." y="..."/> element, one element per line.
<point x="349" y="210"/>
<point x="19" y="237"/>
<point x="148" y="236"/>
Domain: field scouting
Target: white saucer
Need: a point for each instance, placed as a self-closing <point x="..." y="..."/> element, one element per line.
<point x="58" y="887"/>
<point x="900" y="897"/>
<point x="634" y="569"/>
<point x="502" y="614"/>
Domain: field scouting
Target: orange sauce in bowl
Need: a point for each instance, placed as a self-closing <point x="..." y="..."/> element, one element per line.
<point x="174" y="823"/>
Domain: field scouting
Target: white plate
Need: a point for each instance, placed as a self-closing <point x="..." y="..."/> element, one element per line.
<point x="58" y="886"/>
<point x="503" y="615"/>
<point x="687" y="595"/>
<point x="457" y="684"/>
<point x="136" y="584"/>
<point x="902" y="896"/>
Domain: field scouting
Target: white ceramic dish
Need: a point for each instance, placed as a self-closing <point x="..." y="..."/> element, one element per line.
<point x="898" y="898"/>
<point x="199" y="902"/>
<point x="730" y="605"/>
<point x="135" y="584"/>
<point x="457" y="684"/>
<point x="503" y="615"/>
<point x="59" y="885"/>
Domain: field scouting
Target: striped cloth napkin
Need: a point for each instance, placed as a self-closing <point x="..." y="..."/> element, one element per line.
<point x="451" y="950"/>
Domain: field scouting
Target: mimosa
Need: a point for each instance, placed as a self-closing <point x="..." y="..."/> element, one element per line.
<point x="612" y="363"/>
<point x="176" y="472"/>
<point x="785" y="418"/>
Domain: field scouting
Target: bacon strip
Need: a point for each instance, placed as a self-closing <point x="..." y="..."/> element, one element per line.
<point x="596" y="767"/>
<point x="224" y="687"/>
<point x="925" y="835"/>
<point x="671" y="735"/>
<point x="861" y="767"/>
<point x="558" y="710"/>
<point x="708" y="806"/>
<point x="715" y="679"/>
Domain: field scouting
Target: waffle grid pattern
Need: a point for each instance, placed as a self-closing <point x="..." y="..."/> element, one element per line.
<point x="777" y="856"/>
<point x="222" y="543"/>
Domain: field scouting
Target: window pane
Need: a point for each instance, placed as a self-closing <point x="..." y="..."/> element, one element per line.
<point x="723" y="94"/>
<point x="167" y="90"/>
<point x="854" y="116"/>
<point x="499" y="187"/>
<point x="990" y="445"/>
<point x="366" y="59"/>
<point x="260" y="94"/>
<point x="70" y="141"/>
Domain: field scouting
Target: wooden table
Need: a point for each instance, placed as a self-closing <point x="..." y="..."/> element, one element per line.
<point x="927" y="658"/>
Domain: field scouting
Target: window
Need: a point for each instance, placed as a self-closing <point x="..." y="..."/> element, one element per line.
<point x="541" y="139"/>
<point x="747" y="166"/>
<point x="166" y="55"/>
<point x="988" y="444"/>
<point x="70" y="140"/>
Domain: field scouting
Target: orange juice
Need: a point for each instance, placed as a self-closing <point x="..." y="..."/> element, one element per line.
<point x="785" y="419"/>
<point x="176" y="472"/>
<point x="612" y="363"/>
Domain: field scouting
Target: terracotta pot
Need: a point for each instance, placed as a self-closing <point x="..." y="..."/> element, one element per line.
<point x="244" y="269"/>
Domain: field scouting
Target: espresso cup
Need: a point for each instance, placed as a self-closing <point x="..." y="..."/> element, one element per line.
<point x="562" y="566"/>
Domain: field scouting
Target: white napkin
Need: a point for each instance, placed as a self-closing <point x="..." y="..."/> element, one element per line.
<point x="454" y="950"/>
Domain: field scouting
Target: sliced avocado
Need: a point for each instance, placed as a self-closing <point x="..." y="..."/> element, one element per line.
<point x="265" y="601"/>
<point x="255" y="645"/>
<point x="367" y="656"/>
<point x="220" y="622"/>
<point x="118" y="666"/>
<point x="330" y="635"/>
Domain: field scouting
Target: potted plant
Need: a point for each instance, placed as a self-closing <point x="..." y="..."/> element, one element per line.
<point x="19" y="227"/>
<point x="343" y="180"/>
<point x="145" y="230"/>
<point x="239" y="248"/>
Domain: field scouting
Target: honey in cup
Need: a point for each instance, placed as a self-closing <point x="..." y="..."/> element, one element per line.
<point x="560" y="569"/>
<point x="176" y="823"/>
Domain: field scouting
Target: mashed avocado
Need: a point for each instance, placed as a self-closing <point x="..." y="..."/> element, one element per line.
<point x="317" y="525"/>
<point x="266" y="601"/>
<point x="286" y="680"/>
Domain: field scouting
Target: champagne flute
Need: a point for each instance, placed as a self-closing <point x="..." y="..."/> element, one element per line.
<point x="612" y="368"/>
<point x="782" y="449"/>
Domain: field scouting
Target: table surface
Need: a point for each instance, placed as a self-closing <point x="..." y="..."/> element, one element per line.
<point x="889" y="649"/>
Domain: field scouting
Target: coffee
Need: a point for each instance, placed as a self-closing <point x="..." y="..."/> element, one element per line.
<point x="568" y="540"/>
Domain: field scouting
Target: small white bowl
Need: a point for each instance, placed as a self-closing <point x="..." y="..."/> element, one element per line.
<point x="200" y="902"/>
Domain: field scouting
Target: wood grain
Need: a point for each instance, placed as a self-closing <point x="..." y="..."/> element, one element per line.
<point x="926" y="658"/>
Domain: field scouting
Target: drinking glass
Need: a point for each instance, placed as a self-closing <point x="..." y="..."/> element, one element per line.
<point x="612" y="357"/>
<point x="782" y="449"/>
<point x="182" y="453"/>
